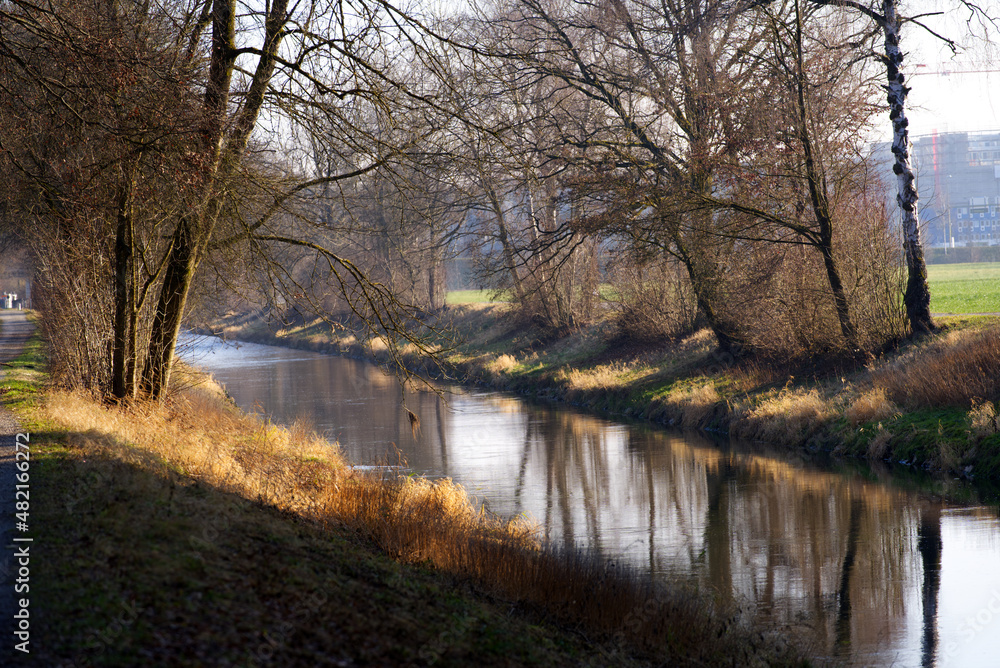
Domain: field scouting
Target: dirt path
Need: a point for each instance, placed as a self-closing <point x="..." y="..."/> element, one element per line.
<point x="14" y="332"/>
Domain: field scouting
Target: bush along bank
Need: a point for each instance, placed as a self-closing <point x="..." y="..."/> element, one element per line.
<point x="189" y="533"/>
<point x="931" y="403"/>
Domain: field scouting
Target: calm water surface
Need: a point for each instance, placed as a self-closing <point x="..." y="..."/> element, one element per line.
<point x="870" y="571"/>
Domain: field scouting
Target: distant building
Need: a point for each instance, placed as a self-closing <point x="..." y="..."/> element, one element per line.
<point x="958" y="178"/>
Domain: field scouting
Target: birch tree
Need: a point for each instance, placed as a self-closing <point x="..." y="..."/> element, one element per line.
<point x="888" y="18"/>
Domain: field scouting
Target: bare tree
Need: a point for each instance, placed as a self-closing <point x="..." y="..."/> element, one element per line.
<point x="886" y="17"/>
<point x="230" y="79"/>
<point x="96" y="111"/>
<point x="511" y="141"/>
<point x="794" y="182"/>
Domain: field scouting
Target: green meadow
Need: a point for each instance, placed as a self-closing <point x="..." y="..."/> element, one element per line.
<point x="456" y="297"/>
<point x="965" y="288"/>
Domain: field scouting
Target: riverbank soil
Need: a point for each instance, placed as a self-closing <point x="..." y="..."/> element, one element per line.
<point x="190" y="534"/>
<point x="931" y="404"/>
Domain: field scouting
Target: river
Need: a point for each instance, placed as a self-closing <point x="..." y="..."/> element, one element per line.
<point x="867" y="568"/>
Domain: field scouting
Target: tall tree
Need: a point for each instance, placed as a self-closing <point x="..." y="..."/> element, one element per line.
<point x="888" y="19"/>
<point x="108" y="105"/>
<point x="514" y="130"/>
<point x="662" y="73"/>
<point x="801" y="166"/>
<point x="232" y="77"/>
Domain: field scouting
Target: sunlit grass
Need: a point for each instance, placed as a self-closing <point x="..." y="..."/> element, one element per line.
<point x="965" y="288"/>
<point x="870" y="406"/>
<point x="456" y="297"/>
<point x="956" y="369"/>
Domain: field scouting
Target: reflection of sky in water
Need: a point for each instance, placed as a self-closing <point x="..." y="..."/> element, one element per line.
<point x="210" y="352"/>
<point x="751" y="527"/>
<point x="969" y="606"/>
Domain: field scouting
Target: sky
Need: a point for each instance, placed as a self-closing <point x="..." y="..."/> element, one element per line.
<point x="949" y="93"/>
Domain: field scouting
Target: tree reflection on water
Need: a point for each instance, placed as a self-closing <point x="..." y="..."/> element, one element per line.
<point x="852" y="565"/>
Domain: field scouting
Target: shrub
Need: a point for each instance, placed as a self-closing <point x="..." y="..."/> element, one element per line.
<point x="983" y="420"/>
<point x="653" y="301"/>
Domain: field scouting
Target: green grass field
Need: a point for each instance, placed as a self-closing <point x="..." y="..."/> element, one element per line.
<point x="965" y="288"/>
<point x="456" y="297"/>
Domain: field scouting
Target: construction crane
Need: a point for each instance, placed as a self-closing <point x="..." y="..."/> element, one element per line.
<point x="921" y="71"/>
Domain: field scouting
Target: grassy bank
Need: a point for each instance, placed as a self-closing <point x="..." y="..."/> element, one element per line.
<point x="931" y="404"/>
<point x="190" y="533"/>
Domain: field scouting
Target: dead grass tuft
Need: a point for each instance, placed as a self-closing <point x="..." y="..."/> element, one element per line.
<point x="871" y="406"/>
<point x="695" y="403"/>
<point x="787" y="417"/>
<point x="601" y="377"/>
<point x="878" y="447"/>
<point x="983" y="420"/>
<point x="501" y="367"/>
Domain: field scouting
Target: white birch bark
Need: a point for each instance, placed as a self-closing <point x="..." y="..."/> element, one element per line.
<point x="917" y="295"/>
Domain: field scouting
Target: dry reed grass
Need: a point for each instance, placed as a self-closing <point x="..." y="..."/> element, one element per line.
<point x="871" y="406"/>
<point x="198" y="435"/>
<point x="601" y="377"/>
<point x="956" y="370"/>
<point x="291" y="469"/>
<point x="695" y="403"/>
<point x="787" y="417"/>
<point x="983" y="420"/>
<point x="500" y="367"/>
<point x="750" y="374"/>
<point x="878" y="447"/>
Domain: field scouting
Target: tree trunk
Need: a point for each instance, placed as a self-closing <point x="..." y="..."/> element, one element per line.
<point x="170" y="310"/>
<point x="839" y="298"/>
<point x="728" y="338"/>
<point x="509" y="258"/>
<point x="123" y="346"/>
<point x="437" y="279"/>
<point x="730" y="341"/>
<point x="816" y="179"/>
<point x="917" y="297"/>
